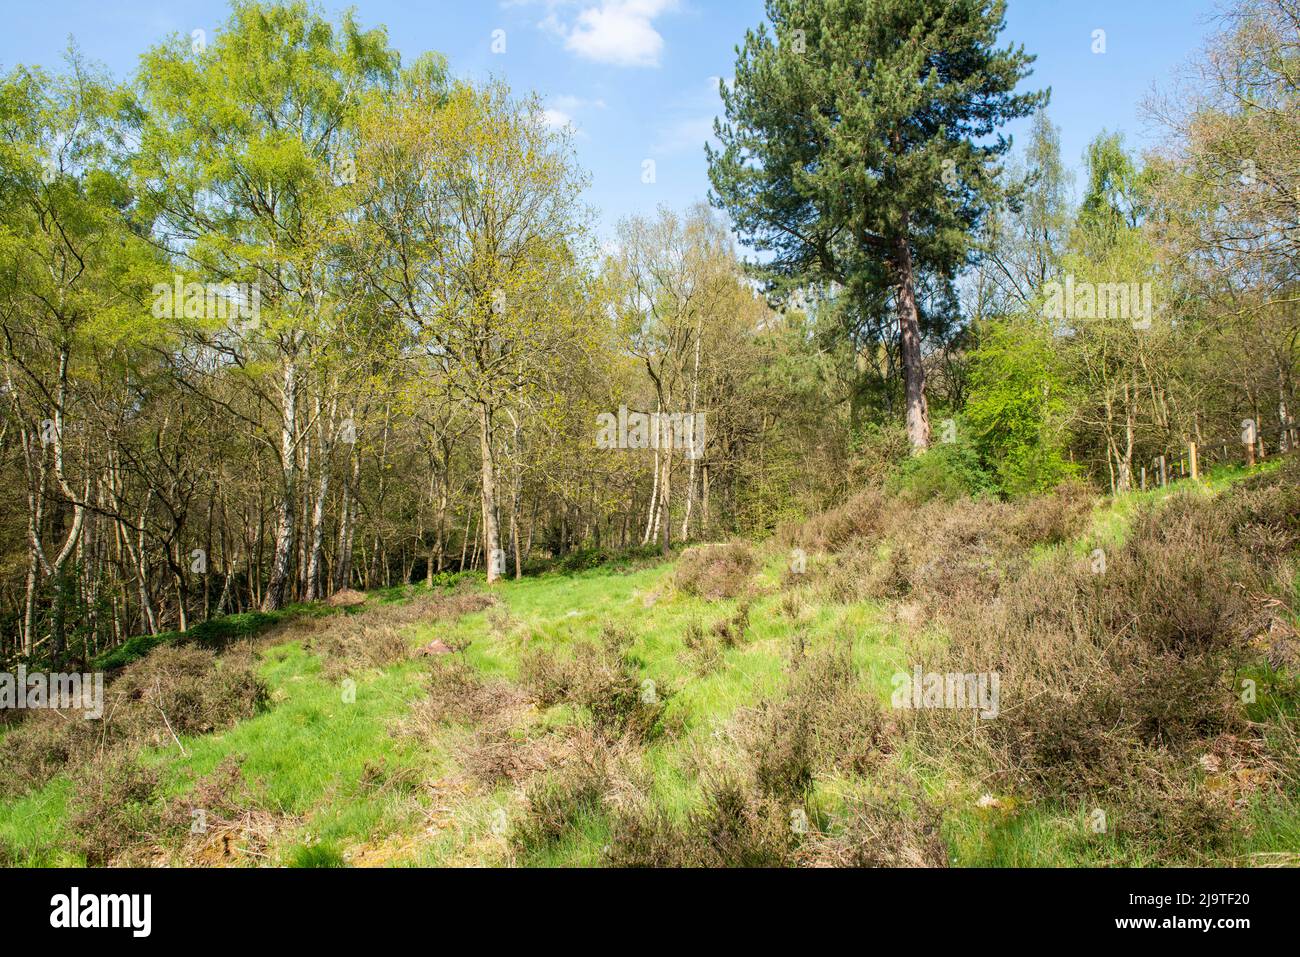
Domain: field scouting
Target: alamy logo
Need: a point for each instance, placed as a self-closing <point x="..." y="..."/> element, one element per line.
<point x="208" y="300"/>
<point x="103" y="910"/>
<point x="1132" y="301"/>
<point x="57" y="690"/>
<point x="652" y="430"/>
<point x="957" y="690"/>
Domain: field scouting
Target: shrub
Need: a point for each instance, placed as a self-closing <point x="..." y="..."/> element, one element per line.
<point x="558" y="800"/>
<point x="1053" y="517"/>
<point x="459" y="693"/>
<point x="825" y="720"/>
<point x="113" y="808"/>
<point x="644" y="835"/>
<point x="186" y="691"/>
<point x="222" y="794"/>
<point x="947" y="471"/>
<point x="614" y="697"/>
<point x="737" y="828"/>
<point x="547" y="677"/>
<point x="174" y="690"/>
<point x="1114" y="682"/>
<point x="377" y="636"/>
<point x="878" y="449"/>
<point x="40" y="748"/>
<point x="213" y="634"/>
<point x="1263" y="512"/>
<point x="1180" y="583"/>
<point x="602" y="680"/>
<point x="1018" y="406"/>
<point x="1161" y="813"/>
<point x="938" y="554"/>
<point x="354" y="644"/>
<point x="861" y="519"/>
<point x="731" y="631"/>
<point x="705" y="652"/>
<point x="715" y="571"/>
<point x="898" y="829"/>
<point x="498" y="755"/>
<point x="734" y="827"/>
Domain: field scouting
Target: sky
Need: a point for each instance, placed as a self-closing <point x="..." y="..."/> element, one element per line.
<point x="636" y="80"/>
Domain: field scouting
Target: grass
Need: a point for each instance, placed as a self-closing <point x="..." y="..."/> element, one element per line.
<point x="337" y="779"/>
<point x="215" y="633"/>
<point x="1113" y="515"/>
<point x="307" y="754"/>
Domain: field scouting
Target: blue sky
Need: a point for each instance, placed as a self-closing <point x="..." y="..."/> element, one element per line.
<point x="637" y="79"/>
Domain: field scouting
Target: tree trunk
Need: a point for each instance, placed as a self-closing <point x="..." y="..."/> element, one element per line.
<point x="29" y="607"/>
<point x="695" y="450"/>
<point x="285" y="509"/>
<point x="1284" y="420"/>
<point x="347" y="524"/>
<point x="705" y="521"/>
<point x="58" y="569"/>
<point x="492" y="554"/>
<point x="909" y="326"/>
<point x="666" y="497"/>
<point x="653" y="510"/>
<point x="316" y="553"/>
<point x="516" y="497"/>
<point x="182" y="614"/>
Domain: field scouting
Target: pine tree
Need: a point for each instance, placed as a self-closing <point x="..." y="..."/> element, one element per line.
<point x="857" y="143"/>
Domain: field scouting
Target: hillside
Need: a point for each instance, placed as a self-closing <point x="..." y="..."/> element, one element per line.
<point x="733" y="706"/>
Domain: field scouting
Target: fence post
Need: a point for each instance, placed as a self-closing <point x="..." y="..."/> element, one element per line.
<point x="1144" y="478"/>
<point x="1191" y="454"/>
<point x="1164" y="475"/>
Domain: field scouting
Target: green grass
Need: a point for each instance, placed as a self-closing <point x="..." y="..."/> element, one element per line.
<point x="306" y="755"/>
<point x="215" y="633"/>
<point x="346" y="788"/>
<point x="1114" y="514"/>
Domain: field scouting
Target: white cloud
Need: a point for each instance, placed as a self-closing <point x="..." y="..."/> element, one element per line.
<point x="560" y="113"/>
<point x="571" y="104"/>
<point x="557" y="119"/>
<point x="619" y="32"/>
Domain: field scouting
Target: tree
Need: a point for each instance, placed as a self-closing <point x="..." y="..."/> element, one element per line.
<point x="1018" y="406"/>
<point x="1026" y="238"/>
<point x="1228" y="188"/>
<point x="243" y="143"/>
<point x="71" y="274"/>
<point x="677" y="278"/>
<point x="477" y="225"/>
<point x="856" y="147"/>
<point x="1118" y="332"/>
